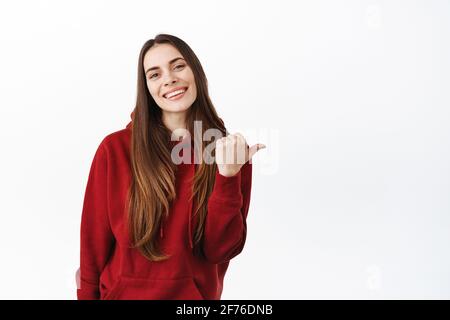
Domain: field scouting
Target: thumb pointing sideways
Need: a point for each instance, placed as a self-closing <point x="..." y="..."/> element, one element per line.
<point x="254" y="149"/>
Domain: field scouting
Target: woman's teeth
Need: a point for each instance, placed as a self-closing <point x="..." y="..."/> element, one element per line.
<point x="175" y="93"/>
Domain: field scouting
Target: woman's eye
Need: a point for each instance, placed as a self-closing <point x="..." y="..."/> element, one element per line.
<point x="178" y="66"/>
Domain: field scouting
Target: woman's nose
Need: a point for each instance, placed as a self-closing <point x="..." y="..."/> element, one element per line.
<point x="170" y="79"/>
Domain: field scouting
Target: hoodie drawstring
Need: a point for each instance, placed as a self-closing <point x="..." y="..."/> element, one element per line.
<point x="190" y="209"/>
<point x="189" y="228"/>
<point x="161" y="230"/>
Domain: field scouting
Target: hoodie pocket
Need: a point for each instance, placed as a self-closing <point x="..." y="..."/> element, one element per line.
<point x="127" y="288"/>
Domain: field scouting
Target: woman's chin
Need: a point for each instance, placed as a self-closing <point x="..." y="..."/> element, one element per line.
<point x="172" y="108"/>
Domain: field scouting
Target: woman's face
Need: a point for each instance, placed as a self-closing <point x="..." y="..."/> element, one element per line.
<point x="164" y="73"/>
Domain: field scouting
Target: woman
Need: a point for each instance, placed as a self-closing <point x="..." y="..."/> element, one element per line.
<point x="152" y="227"/>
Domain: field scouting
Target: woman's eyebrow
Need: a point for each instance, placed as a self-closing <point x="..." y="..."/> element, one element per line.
<point x="170" y="62"/>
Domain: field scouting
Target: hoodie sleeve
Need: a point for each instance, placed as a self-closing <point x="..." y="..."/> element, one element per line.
<point x="96" y="238"/>
<point x="225" y="226"/>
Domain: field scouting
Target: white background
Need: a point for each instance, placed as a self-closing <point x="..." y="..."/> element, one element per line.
<point x="351" y="197"/>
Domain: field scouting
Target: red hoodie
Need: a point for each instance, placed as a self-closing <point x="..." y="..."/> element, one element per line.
<point x="111" y="269"/>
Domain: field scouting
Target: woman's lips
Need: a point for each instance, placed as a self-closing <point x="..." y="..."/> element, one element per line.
<point x="178" y="96"/>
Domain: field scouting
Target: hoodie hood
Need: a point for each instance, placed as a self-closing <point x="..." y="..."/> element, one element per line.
<point x="129" y="126"/>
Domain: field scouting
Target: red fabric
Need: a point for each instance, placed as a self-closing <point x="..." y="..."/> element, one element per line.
<point x="110" y="269"/>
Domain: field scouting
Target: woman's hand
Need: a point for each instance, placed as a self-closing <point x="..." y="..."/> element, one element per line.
<point x="232" y="152"/>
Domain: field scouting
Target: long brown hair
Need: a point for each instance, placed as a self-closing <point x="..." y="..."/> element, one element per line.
<point x="152" y="187"/>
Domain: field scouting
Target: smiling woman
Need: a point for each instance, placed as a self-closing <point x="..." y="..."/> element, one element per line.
<point x="150" y="228"/>
<point x="162" y="64"/>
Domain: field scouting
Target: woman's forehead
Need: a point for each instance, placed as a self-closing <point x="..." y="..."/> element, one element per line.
<point x="161" y="54"/>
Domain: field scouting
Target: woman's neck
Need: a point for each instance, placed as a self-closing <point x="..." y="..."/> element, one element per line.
<point x="174" y="121"/>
